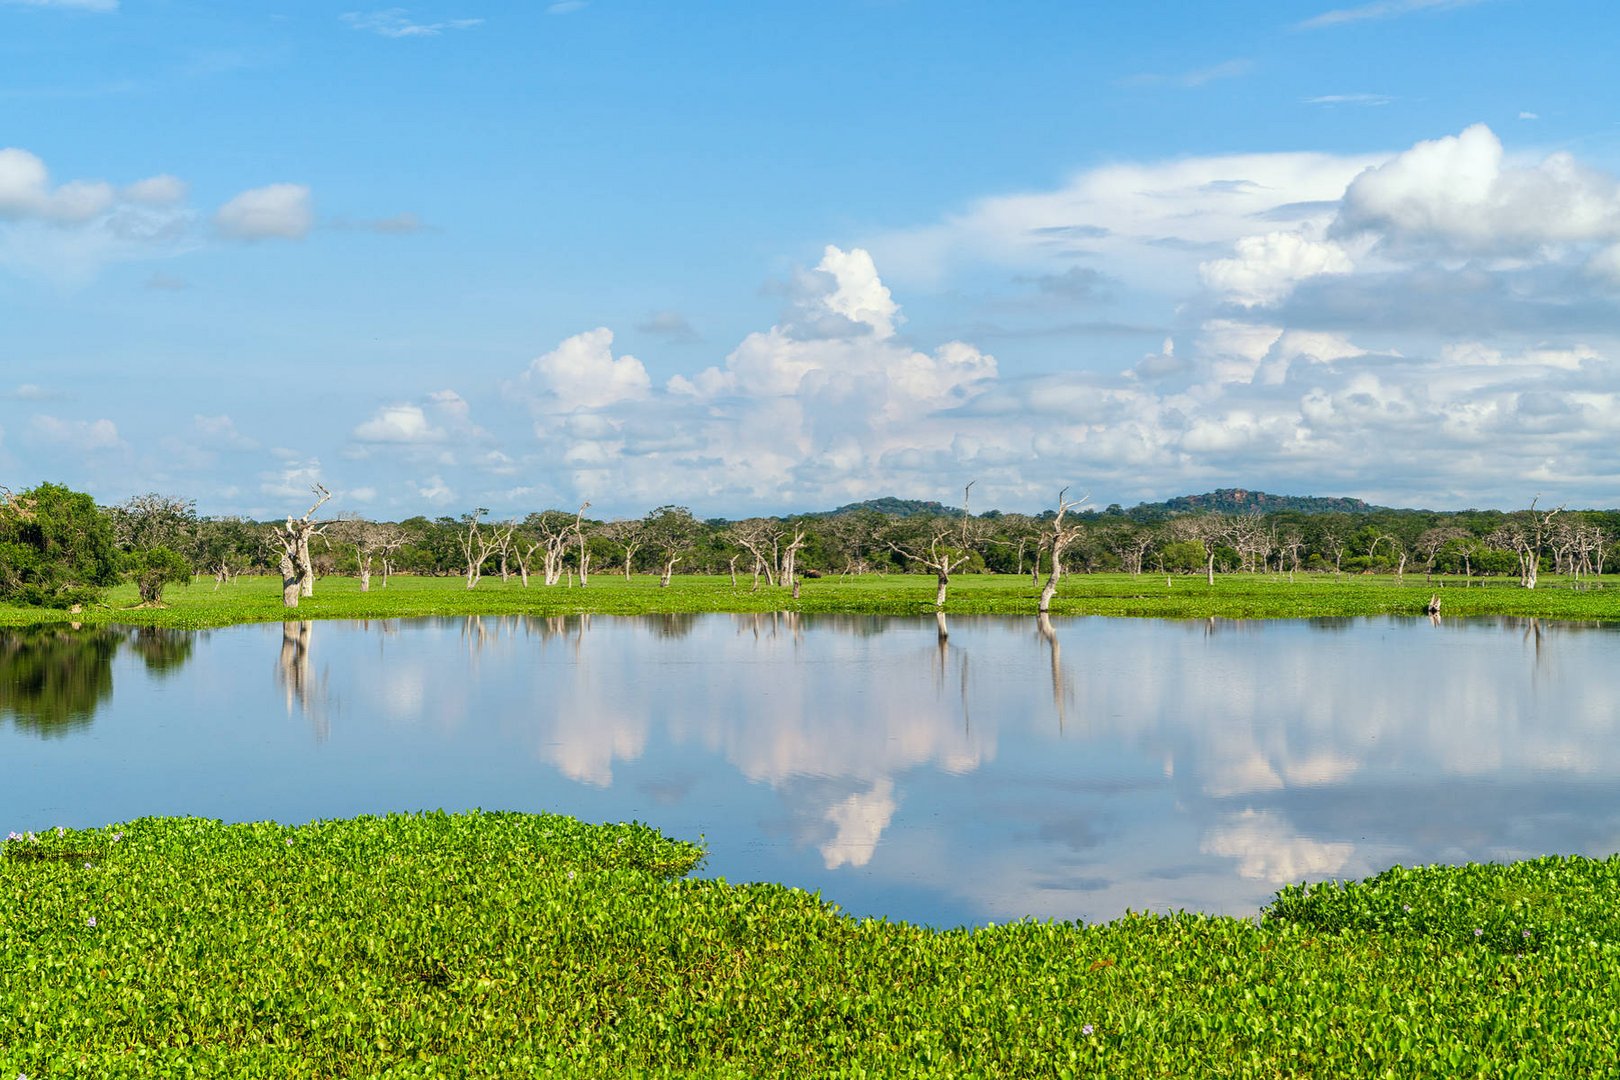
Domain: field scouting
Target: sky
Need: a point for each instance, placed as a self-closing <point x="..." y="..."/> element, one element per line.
<point x="764" y="258"/>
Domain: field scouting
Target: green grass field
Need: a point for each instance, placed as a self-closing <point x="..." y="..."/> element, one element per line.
<point x="1238" y="596"/>
<point x="510" y="945"/>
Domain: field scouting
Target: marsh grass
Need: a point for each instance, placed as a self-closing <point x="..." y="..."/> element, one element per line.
<point x="1245" y="596"/>
<point x="518" y="945"/>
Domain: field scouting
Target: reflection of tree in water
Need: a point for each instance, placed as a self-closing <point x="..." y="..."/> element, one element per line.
<point x="669" y="625"/>
<point x="163" y="651"/>
<point x="52" y="678"/>
<point x="302" y="687"/>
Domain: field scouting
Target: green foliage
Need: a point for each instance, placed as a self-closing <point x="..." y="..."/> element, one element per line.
<point x="523" y="945"/>
<point x="154" y="568"/>
<point x="1236" y="596"/>
<point x="56" y="548"/>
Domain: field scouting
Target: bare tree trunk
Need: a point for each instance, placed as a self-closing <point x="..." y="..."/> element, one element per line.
<point x="305" y="568"/>
<point x="365" y="573"/>
<point x="943" y="578"/>
<point x="290" y="581"/>
<point x="669" y="569"/>
<point x="734" y="571"/>
<point x="1061" y="538"/>
<point x="292" y="543"/>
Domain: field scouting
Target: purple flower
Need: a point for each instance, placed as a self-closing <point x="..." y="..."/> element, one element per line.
<point x="1479" y="933"/>
<point x="1526" y="933"/>
<point x="1406" y="908"/>
<point x="61" y="831"/>
<point x="289" y="841"/>
<point x="117" y="836"/>
<point x="1086" y="1029"/>
<point x="87" y="866"/>
<point x="92" y="921"/>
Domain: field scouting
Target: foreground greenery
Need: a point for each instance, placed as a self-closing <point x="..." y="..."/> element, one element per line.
<point x="1245" y="596"/>
<point x="514" y="945"/>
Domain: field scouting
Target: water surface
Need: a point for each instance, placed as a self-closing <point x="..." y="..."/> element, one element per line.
<point x="974" y="771"/>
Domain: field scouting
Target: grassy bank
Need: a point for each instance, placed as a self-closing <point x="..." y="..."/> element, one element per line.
<point x="508" y="945"/>
<point x="1244" y="596"/>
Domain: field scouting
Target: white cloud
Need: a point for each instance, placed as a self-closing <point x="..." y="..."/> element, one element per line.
<point x="1379" y="9"/>
<point x="26" y="192"/>
<point x="1268" y="266"/>
<point x="78" y="434"/>
<point x="399" y="424"/>
<point x="1149" y="224"/>
<point x="1458" y="195"/>
<point x="1350" y="99"/>
<point x="858" y="295"/>
<point x="164" y="190"/>
<point x="435" y="491"/>
<point x="291" y="483"/>
<point x="582" y="372"/>
<point x="396" y="23"/>
<point x="220" y="433"/>
<point x="275" y="211"/>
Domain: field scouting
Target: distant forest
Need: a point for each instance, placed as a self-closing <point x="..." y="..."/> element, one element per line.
<point x="1217" y="531"/>
<point x="1232" y="529"/>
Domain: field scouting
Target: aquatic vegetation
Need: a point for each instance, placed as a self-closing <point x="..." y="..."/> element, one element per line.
<point x="509" y="944"/>
<point x="1238" y="596"/>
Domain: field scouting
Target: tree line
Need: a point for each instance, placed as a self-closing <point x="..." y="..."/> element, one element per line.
<point x="58" y="548"/>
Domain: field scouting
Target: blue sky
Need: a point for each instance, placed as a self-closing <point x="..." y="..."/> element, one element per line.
<point x="760" y="258"/>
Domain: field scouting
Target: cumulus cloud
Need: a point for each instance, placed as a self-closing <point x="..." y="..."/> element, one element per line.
<point x="1458" y="195"/>
<point x="582" y="372"/>
<point x="1267" y="266"/>
<point x="281" y="211"/>
<point x="398" y="424"/>
<point x="26" y="191"/>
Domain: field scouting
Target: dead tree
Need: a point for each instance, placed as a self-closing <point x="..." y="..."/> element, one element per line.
<point x="1210" y="531"/>
<point x="292" y="545"/>
<point x="790" y="559"/>
<point x="1526" y="537"/>
<point x="761" y="538"/>
<point x="478" y="544"/>
<point x="370" y="539"/>
<point x="1059" y="538"/>
<point x="630" y="535"/>
<point x="584" y="550"/>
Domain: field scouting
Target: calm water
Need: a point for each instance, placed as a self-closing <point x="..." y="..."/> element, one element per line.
<point x="995" y="772"/>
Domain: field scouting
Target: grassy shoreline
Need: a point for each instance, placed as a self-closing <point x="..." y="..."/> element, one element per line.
<point x="515" y="944"/>
<point x="1237" y="596"/>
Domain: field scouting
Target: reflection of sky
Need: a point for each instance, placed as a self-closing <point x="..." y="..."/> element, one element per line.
<point x="1174" y="764"/>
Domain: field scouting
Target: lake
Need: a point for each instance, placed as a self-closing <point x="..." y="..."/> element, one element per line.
<point x="945" y="773"/>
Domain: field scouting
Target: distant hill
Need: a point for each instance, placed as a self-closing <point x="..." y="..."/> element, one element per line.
<point x="1241" y="501"/>
<point x="896" y="507"/>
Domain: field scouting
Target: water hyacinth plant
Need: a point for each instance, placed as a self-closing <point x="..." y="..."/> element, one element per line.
<point x="513" y="944"/>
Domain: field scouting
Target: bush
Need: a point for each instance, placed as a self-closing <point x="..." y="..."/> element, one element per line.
<point x="56" y="548"/>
